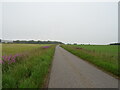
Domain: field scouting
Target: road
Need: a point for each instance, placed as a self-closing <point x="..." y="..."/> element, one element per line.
<point x="69" y="71"/>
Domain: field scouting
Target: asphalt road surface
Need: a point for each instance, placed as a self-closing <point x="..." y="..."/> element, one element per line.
<point x="69" y="71"/>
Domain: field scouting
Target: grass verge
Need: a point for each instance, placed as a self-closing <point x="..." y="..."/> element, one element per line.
<point x="31" y="71"/>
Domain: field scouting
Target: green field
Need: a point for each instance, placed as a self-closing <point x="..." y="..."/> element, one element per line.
<point x="8" y="49"/>
<point x="30" y="68"/>
<point x="102" y="56"/>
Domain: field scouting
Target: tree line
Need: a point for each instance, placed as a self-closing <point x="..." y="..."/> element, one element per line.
<point x="115" y="44"/>
<point x="31" y="42"/>
<point x="38" y="42"/>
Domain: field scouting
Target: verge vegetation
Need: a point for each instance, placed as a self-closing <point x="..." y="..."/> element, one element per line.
<point x="28" y="68"/>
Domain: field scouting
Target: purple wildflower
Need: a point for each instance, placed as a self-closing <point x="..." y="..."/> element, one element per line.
<point x="9" y="58"/>
<point x="4" y="58"/>
<point x="45" y="46"/>
<point x="1" y="61"/>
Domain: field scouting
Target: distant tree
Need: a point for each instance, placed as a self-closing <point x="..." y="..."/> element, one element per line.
<point x="115" y="44"/>
<point x="75" y="44"/>
<point x="68" y="44"/>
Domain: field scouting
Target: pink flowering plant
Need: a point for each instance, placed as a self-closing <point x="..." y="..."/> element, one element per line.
<point x="9" y="60"/>
<point x="46" y="47"/>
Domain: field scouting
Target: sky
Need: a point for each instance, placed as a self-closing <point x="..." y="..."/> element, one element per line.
<point x="69" y="22"/>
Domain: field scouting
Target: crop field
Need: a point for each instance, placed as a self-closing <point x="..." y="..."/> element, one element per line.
<point x="8" y="49"/>
<point x="102" y="56"/>
<point x="25" y="65"/>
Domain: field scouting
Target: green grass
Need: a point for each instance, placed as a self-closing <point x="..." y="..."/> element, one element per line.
<point x="103" y="56"/>
<point x="0" y="50"/>
<point x="30" y="71"/>
<point x="8" y="49"/>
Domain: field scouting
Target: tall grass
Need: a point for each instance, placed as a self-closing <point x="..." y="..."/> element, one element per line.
<point x="8" y="49"/>
<point x="30" y="71"/>
<point x="103" y="56"/>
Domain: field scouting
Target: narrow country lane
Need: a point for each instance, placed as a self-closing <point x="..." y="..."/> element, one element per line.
<point x="69" y="71"/>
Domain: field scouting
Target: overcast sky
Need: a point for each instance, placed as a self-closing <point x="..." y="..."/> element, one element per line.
<point x="75" y="22"/>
